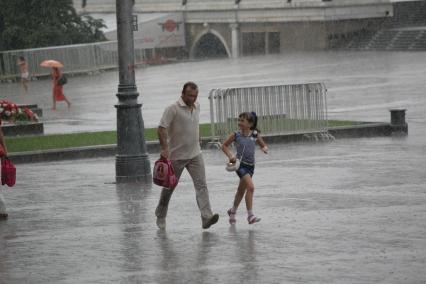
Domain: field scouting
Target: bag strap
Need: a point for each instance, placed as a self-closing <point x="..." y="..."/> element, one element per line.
<point x="242" y="153"/>
<point x="169" y="164"/>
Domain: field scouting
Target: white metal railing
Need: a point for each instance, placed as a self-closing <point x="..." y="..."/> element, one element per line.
<point x="284" y="109"/>
<point x="76" y="58"/>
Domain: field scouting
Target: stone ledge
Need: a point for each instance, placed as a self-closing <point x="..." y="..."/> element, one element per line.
<point x="75" y="153"/>
<point x="363" y="130"/>
<point x="32" y="128"/>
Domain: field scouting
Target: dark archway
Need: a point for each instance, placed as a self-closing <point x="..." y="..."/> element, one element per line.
<point x="209" y="46"/>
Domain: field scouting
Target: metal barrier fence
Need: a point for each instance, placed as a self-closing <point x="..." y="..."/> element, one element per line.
<point x="76" y="58"/>
<point x="285" y="109"/>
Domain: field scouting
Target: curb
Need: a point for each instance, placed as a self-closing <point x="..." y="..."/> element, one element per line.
<point x="153" y="147"/>
<point x="74" y="153"/>
<point x="362" y="130"/>
<point x="30" y="128"/>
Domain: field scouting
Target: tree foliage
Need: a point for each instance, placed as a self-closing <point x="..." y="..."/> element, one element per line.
<point x="41" y="23"/>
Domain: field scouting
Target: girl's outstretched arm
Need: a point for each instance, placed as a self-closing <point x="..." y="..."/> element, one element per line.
<point x="226" y="150"/>
<point x="262" y="144"/>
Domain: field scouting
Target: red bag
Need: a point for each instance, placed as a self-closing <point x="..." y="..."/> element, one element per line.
<point x="164" y="175"/>
<point x="8" y="172"/>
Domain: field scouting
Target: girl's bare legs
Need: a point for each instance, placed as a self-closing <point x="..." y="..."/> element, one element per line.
<point x="248" y="182"/>
<point x="249" y="186"/>
<point x="54" y="104"/>
<point x="237" y="200"/>
<point x="245" y="187"/>
<point x="239" y="194"/>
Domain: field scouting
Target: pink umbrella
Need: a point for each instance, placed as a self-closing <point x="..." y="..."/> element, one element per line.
<point x="51" y="63"/>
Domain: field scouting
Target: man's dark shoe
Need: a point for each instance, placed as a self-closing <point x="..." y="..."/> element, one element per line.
<point x="208" y="222"/>
<point x="3" y="216"/>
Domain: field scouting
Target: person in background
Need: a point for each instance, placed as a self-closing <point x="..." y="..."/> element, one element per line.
<point x="3" y="214"/>
<point x="23" y="70"/>
<point x="58" y="90"/>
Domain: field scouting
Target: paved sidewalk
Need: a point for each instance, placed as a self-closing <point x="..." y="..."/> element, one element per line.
<point x="349" y="211"/>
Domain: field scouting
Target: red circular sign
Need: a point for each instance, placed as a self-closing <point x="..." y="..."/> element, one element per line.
<point x="170" y="25"/>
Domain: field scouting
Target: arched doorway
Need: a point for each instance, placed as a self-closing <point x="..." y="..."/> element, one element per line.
<point x="209" y="45"/>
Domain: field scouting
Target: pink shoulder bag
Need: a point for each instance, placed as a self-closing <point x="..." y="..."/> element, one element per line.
<point x="164" y="175"/>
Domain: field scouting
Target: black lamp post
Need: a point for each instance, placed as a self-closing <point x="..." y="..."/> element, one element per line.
<point x="132" y="161"/>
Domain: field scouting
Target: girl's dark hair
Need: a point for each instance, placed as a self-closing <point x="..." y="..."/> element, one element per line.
<point x="252" y="118"/>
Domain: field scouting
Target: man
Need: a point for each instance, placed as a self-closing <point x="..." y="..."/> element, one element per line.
<point x="178" y="133"/>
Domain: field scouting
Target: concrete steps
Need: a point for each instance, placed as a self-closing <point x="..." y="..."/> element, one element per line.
<point x="404" y="40"/>
<point x="398" y="40"/>
<point x="408" y="14"/>
<point x="382" y="40"/>
<point x="420" y="43"/>
<point x="406" y="30"/>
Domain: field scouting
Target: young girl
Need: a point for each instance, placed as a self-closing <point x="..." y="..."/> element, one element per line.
<point x="245" y="140"/>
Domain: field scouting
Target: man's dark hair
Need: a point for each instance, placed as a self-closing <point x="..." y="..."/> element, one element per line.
<point x="190" y="85"/>
<point x="21" y="58"/>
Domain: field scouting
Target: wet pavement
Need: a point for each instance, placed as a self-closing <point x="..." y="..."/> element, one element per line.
<point x="361" y="85"/>
<point x="348" y="211"/>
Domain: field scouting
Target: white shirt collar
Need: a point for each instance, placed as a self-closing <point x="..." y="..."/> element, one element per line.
<point x="183" y="104"/>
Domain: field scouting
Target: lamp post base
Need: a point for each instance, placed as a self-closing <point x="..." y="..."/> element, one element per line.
<point x="130" y="169"/>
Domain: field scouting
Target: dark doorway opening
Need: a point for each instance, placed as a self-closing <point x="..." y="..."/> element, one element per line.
<point x="210" y="46"/>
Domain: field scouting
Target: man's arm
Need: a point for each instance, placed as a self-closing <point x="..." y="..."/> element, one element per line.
<point x="162" y="136"/>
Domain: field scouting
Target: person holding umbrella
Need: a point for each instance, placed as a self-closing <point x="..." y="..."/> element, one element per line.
<point x="58" y="89"/>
